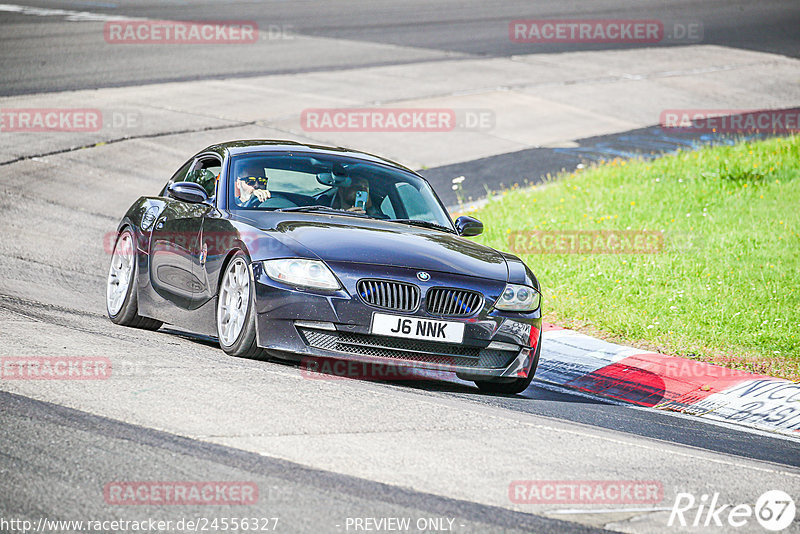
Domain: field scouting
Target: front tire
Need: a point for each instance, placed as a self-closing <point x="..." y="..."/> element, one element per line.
<point x="236" y="316"/>
<point x="121" y="299"/>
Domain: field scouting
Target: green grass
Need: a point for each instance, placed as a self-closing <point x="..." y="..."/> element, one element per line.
<point x="725" y="287"/>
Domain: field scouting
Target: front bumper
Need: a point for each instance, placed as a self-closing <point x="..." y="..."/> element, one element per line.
<point x="310" y="324"/>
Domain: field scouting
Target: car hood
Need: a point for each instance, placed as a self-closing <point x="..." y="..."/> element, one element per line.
<point x="336" y="238"/>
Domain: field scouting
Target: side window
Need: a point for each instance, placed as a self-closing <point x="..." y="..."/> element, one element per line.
<point x="205" y="173"/>
<point x="179" y="176"/>
<point x="387" y="207"/>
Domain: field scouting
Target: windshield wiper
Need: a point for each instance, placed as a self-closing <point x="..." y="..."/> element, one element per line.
<point x="319" y="207"/>
<point x="424" y="224"/>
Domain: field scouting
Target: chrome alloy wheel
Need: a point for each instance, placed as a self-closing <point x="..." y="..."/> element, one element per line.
<point x="120" y="273"/>
<point x="234" y="301"/>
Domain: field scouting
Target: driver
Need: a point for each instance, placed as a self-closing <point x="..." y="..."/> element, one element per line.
<point x="250" y="188"/>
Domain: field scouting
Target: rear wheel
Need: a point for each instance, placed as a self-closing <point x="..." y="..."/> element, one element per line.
<point x="236" y="316"/>
<point x="512" y="386"/>
<point x="121" y="303"/>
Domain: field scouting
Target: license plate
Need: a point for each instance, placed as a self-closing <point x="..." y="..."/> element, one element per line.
<point x="417" y="328"/>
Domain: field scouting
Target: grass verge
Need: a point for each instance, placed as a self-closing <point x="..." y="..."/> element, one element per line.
<point x="721" y="285"/>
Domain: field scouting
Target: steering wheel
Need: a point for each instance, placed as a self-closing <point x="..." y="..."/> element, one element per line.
<point x="277" y="200"/>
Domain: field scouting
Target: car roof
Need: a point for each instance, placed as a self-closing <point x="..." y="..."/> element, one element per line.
<point x="247" y="146"/>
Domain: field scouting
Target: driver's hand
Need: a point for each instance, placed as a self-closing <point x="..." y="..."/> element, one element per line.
<point x="261" y="194"/>
<point x="356" y="209"/>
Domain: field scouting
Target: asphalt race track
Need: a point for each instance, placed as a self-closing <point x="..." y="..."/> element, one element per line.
<point x="323" y="452"/>
<point x="48" y="53"/>
<point x="302" y="498"/>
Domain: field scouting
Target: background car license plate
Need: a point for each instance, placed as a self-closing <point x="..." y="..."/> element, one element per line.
<point x="417" y="328"/>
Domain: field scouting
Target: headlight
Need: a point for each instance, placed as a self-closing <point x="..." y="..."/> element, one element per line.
<point x="304" y="273"/>
<point x="518" y="298"/>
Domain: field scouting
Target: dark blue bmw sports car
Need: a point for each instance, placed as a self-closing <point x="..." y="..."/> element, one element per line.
<point x="286" y="250"/>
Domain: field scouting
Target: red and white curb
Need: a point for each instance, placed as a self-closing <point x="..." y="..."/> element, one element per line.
<point x="590" y="365"/>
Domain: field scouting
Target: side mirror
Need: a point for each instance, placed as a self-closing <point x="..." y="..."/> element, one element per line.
<point x="188" y="192"/>
<point x="468" y="226"/>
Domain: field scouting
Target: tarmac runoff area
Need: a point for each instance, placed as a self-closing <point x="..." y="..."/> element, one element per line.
<point x="492" y="106"/>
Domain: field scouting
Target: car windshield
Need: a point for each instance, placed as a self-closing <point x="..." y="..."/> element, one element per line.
<point x="334" y="184"/>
